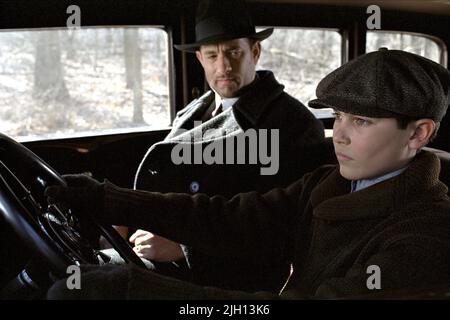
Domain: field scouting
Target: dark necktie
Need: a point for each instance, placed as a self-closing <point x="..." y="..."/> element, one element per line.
<point x="217" y="111"/>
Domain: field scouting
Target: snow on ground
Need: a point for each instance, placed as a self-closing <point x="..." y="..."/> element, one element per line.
<point x="99" y="100"/>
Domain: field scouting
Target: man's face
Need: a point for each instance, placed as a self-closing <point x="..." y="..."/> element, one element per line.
<point x="229" y="65"/>
<point x="370" y="147"/>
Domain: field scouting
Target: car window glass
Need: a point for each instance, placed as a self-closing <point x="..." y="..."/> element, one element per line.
<point x="300" y="58"/>
<point x="423" y="45"/>
<point x="58" y="83"/>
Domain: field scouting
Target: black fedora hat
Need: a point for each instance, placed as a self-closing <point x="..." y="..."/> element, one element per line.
<point x="224" y="20"/>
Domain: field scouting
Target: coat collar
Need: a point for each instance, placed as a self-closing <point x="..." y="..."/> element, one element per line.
<point x="332" y="199"/>
<point x="253" y="102"/>
<point x="192" y="112"/>
<point x="255" y="98"/>
<point x="204" y="102"/>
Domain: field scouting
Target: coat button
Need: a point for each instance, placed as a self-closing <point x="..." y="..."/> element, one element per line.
<point x="194" y="187"/>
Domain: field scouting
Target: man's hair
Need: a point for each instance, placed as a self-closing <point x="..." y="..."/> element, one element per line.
<point x="251" y="42"/>
<point x="404" y="121"/>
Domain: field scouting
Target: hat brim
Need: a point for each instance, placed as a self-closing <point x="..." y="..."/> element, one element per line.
<point x="192" y="47"/>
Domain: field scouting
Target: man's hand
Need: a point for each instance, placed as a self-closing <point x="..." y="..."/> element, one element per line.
<point x="150" y="246"/>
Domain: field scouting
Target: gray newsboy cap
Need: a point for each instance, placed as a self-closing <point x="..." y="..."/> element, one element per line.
<point x="386" y="83"/>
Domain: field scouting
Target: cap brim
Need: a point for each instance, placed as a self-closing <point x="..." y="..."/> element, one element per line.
<point x="192" y="47"/>
<point x="352" y="108"/>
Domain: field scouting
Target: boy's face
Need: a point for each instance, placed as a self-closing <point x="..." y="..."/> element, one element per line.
<point x="370" y="147"/>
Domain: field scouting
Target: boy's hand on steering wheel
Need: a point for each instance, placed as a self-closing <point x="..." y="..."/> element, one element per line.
<point x="83" y="194"/>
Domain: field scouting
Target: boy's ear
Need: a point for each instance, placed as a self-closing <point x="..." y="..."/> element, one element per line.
<point x="423" y="129"/>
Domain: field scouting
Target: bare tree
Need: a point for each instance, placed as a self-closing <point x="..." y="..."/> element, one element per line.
<point x="49" y="81"/>
<point x="133" y="72"/>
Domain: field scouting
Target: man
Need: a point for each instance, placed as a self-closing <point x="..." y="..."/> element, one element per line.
<point x="378" y="222"/>
<point x="228" y="48"/>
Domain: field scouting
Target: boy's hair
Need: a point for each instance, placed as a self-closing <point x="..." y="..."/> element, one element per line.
<point x="404" y="121"/>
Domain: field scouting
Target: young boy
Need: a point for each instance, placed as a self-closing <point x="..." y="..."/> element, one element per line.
<point x="378" y="222"/>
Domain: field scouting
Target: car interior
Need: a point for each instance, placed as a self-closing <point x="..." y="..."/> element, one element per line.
<point x="101" y="121"/>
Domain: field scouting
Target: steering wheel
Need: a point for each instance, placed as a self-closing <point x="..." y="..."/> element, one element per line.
<point x="50" y="230"/>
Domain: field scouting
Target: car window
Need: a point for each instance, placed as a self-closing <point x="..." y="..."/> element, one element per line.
<point x="58" y="83"/>
<point x="300" y="58"/>
<point x="420" y="44"/>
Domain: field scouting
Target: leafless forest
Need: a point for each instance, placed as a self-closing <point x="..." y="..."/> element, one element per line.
<point x="63" y="82"/>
